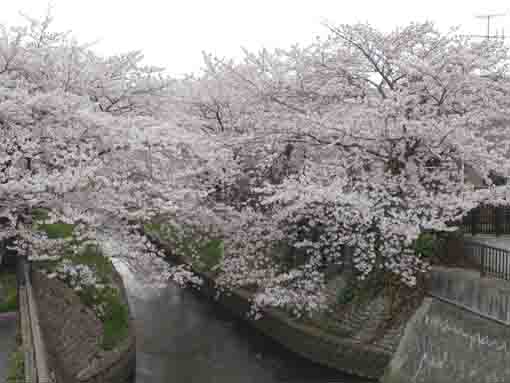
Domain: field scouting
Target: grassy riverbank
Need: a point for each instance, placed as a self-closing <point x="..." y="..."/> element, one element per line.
<point x="8" y="291"/>
<point x="85" y="269"/>
<point x="204" y="255"/>
<point x="16" y="367"/>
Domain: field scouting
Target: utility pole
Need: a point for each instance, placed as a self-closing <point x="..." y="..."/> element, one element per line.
<point x="489" y="16"/>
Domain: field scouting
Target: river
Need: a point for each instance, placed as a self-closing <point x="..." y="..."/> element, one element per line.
<point x="184" y="338"/>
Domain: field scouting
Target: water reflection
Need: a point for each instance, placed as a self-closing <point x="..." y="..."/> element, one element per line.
<point x="184" y="338"/>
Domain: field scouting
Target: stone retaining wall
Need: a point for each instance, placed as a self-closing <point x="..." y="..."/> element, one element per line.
<point x="72" y="334"/>
<point x="342" y="353"/>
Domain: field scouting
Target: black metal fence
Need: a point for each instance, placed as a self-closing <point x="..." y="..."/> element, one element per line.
<point x="491" y="261"/>
<point x="487" y="220"/>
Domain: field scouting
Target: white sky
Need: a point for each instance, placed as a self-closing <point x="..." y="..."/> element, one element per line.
<point x="173" y="33"/>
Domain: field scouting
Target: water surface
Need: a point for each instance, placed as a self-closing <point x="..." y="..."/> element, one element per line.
<point x="184" y="338"/>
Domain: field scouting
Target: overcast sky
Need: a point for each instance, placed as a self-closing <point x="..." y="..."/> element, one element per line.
<point x="173" y="33"/>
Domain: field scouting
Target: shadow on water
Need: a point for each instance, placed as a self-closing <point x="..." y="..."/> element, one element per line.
<point x="184" y="338"/>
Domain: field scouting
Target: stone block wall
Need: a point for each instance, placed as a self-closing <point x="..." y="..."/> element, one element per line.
<point x="72" y="334"/>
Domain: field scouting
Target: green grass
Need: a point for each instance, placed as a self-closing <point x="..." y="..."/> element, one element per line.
<point x="40" y="214"/>
<point x="56" y="230"/>
<point x="154" y="227"/>
<point x="209" y="252"/>
<point x="115" y="322"/>
<point x="115" y="317"/>
<point x="53" y="230"/>
<point x="16" y="367"/>
<point x="8" y="282"/>
<point x="89" y="254"/>
<point x="164" y="231"/>
<point x="93" y="257"/>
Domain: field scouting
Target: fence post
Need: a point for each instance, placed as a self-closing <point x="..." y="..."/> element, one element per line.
<point x="475" y="219"/>
<point x="498" y="220"/>
<point x="483" y="256"/>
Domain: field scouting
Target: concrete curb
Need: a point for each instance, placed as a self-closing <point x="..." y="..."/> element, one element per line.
<point x="26" y="335"/>
<point x="41" y="357"/>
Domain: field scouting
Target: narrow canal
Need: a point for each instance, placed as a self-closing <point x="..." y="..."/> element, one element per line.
<point x="184" y="338"/>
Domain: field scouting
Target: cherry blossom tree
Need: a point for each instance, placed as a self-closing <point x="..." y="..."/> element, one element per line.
<point x="343" y="152"/>
<point x="385" y="123"/>
<point x="67" y="117"/>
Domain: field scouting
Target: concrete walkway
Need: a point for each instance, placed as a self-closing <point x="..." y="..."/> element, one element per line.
<point x="7" y="341"/>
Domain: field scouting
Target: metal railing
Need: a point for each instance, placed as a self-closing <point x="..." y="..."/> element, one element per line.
<point x="491" y="261"/>
<point x="487" y="220"/>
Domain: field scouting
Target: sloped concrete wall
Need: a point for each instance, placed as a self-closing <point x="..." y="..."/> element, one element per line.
<point x="443" y="343"/>
<point x="485" y="296"/>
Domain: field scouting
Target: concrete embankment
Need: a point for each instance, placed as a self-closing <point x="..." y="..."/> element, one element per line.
<point x="447" y="344"/>
<point x="459" y="335"/>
